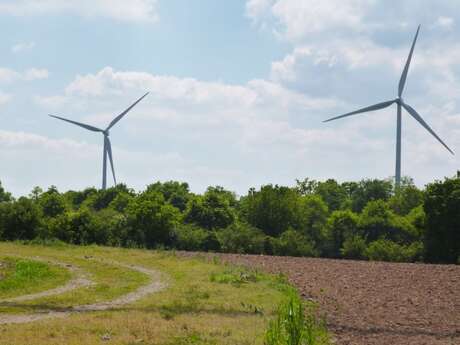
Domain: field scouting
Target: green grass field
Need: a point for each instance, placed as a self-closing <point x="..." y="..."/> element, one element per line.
<point x="204" y="302"/>
<point x="23" y="276"/>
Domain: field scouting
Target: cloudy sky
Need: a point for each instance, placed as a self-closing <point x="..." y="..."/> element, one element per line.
<point x="238" y="90"/>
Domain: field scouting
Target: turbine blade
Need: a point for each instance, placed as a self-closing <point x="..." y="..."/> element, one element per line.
<point x="119" y="117"/>
<point x="417" y="117"/>
<point x="109" y="151"/>
<point x="363" y="110"/>
<point x="88" y="127"/>
<point x="402" y="81"/>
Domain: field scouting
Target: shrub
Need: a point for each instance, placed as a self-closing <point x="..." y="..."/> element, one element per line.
<point x="340" y="226"/>
<point x="213" y="210"/>
<point x="378" y="221"/>
<point x="442" y="205"/>
<point x="241" y="238"/>
<point x="191" y="237"/>
<point x="19" y="220"/>
<point x="150" y="220"/>
<point x="353" y="247"/>
<point x="386" y="250"/>
<point x="293" y="243"/>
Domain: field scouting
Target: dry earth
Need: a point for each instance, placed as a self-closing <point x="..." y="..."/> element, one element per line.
<point x="370" y="303"/>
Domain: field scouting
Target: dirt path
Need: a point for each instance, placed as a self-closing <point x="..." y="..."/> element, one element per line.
<point x="79" y="280"/>
<point x="155" y="285"/>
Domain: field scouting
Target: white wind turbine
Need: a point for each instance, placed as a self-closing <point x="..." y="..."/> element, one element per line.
<point x="400" y="104"/>
<point x="107" y="145"/>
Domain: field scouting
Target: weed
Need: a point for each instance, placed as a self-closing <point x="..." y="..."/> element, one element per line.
<point x="235" y="276"/>
<point x="296" y="323"/>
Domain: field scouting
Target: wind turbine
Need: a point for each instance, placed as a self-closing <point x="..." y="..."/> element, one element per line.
<point x="107" y="145"/>
<point x="400" y="104"/>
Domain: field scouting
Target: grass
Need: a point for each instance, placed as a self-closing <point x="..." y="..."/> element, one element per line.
<point x="206" y="302"/>
<point x="24" y="276"/>
<point x="297" y="323"/>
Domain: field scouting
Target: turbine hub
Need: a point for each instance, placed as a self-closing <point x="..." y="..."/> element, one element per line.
<point x="399" y="100"/>
<point x="106" y="133"/>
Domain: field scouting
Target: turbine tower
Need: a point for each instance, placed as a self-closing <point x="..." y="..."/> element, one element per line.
<point x="400" y="104"/>
<point x="107" y="145"/>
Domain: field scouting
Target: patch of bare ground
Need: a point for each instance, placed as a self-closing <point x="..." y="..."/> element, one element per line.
<point x="370" y="303"/>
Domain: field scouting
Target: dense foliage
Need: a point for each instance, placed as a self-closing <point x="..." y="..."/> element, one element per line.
<point x="357" y="220"/>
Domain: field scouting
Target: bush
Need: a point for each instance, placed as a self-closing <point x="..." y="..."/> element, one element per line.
<point x="293" y="243"/>
<point x="75" y="227"/>
<point x="442" y="209"/>
<point x="213" y="210"/>
<point x="19" y="220"/>
<point x="378" y="221"/>
<point x="386" y="250"/>
<point x="273" y="209"/>
<point x="353" y="247"/>
<point x="151" y="221"/>
<point x="241" y="238"/>
<point x="340" y="226"/>
<point x="191" y="237"/>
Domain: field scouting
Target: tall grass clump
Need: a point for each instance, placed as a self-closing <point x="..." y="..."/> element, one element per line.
<point x="296" y="323"/>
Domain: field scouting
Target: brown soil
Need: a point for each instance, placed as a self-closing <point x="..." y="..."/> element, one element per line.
<point x="375" y="302"/>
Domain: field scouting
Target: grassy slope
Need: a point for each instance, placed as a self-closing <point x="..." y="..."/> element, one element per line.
<point x="24" y="276"/>
<point x="205" y="303"/>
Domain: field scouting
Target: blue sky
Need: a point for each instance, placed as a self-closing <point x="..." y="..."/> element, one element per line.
<point x="239" y="90"/>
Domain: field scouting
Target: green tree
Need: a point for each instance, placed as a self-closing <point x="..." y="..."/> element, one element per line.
<point x="369" y="190"/>
<point x="378" y="221"/>
<point x="52" y="203"/>
<point x="151" y="220"/>
<point x="333" y="194"/>
<point x="311" y="216"/>
<point x="102" y="198"/>
<point x="77" y="198"/>
<point x="176" y="193"/>
<point x="353" y="247"/>
<point x="213" y="210"/>
<point x="406" y="198"/>
<point x="4" y="195"/>
<point x="19" y="220"/>
<point x="273" y="209"/>
<point x="442" y="209"/>
<point x="386" y="250"/>
<point x="341" y="225"/>
<point x="293" y="243"/>
<point x="241" y="238"/>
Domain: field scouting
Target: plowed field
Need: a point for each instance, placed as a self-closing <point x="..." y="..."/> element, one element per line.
<point x="375" y="302"/>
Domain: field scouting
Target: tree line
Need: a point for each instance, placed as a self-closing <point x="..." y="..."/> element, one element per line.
<point x="366" y="220"/>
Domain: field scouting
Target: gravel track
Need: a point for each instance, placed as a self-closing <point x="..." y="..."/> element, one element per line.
<point x="156" y="284"/>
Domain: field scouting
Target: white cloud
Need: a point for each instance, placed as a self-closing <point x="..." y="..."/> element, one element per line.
<point x="22" y="47"/>
<point x="8" y="75"/>
<point x="444" y="22"/>
<point x="244" y="135"/>
<point x="4" y="98"/>
<point x="300" y="19"/>
<point x="35" y="74"/>
<point x="122" y="10"/>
